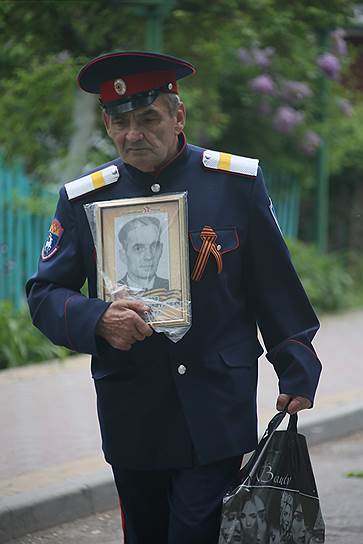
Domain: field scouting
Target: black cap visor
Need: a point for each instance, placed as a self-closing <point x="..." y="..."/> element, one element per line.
<point x="132" y="103"/>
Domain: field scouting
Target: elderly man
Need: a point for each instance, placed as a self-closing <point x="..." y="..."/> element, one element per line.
<point x="175" y="418"/>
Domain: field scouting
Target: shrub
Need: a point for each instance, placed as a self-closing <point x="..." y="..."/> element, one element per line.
<point x="333" y="281"/>
<point x="20" y="342"/>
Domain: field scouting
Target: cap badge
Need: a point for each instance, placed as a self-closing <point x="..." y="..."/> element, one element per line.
<point x="120" y="86"/>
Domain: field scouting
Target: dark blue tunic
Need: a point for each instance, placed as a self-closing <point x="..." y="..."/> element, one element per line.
<point x="150" y="415"/>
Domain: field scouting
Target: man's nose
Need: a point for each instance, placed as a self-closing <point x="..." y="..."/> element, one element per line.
<point x="148" y="253"/>
<point x="134" y="133"/>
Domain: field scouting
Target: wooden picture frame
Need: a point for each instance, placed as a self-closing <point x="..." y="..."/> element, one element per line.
<point x="142" y="251"/>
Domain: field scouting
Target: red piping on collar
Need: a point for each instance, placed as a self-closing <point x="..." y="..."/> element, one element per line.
<point x="181" y="150"/>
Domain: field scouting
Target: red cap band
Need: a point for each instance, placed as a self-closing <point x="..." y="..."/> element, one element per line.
<point x="130" y="85"/>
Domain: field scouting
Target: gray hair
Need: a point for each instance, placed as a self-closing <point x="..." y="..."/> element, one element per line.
<point x="144" y="221"/>
<point x="173" y="101"/>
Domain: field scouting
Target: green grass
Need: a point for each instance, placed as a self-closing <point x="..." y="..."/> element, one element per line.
<point x="355" y="474"/>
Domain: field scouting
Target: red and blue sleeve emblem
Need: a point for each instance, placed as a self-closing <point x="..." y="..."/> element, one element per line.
<point x="52" y="243"/>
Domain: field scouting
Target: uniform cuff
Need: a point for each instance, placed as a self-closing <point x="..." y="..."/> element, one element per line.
<point x="297" y="367"/>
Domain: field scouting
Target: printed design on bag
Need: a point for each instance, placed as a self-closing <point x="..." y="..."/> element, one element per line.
<point x="265" y="516"/>
<point x="276" y="501"/>
<point x="52" y="243"/>
<point x="265" y="475"/>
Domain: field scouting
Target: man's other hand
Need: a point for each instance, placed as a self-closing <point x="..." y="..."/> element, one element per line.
<point x="122" y="324"/>
<point x="295" y="403"/>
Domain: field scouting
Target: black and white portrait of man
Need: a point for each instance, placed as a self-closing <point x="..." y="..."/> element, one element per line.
<point x="142" y="256"/>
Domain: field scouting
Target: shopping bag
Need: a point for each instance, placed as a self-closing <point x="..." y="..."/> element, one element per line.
<point x="276" y="500"/>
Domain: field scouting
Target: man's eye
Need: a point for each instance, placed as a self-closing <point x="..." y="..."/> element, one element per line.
<point x="120" y="123"/>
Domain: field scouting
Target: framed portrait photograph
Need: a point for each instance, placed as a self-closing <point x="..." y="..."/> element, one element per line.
<point x="142" y="251"/>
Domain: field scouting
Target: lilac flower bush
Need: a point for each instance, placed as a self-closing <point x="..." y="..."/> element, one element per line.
<point x="296" y="91"/>
<point x="286" y="119"/>
<point x="263" y="84"/>
<point x="290" y="105"/>
<point x="339" y="45"/>
<point x="256" y="56"/>
<point x="330" y="65"/>
<point x="310" y="142"/>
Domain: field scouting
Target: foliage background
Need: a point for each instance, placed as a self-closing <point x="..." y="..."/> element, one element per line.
<point x="39" y="60"/>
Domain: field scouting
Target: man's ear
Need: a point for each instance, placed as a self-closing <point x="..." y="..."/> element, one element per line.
<point x="107" y="122"/>
<point x="122" y="251"/>
<point x="180" y="118"/>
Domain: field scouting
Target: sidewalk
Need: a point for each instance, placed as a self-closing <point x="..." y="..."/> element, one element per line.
<point x="51" y="465"/>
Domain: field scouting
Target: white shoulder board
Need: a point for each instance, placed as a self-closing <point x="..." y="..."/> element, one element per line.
<point x="89" y="183"/>
<point x="230" y="163"/>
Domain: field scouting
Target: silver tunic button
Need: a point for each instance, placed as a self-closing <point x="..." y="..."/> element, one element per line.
<point x="219" y="247"/>
<point x="182" y="369"/>
<point x="155" y="187"/>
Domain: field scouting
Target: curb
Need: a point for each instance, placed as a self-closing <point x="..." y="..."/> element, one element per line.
<point x="77" y="498"/>
<point x="339" y="423"/>
<point x="43" y="508"/>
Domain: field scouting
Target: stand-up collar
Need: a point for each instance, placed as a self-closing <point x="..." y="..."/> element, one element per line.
<point x="177" y="162"/>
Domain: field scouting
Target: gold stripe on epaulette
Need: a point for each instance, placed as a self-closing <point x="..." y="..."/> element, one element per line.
<point x="97" y="179"/>
<point x="224" y="161"/>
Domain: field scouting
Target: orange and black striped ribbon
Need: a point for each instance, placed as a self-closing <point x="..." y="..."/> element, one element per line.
<point x="208" y="237"/>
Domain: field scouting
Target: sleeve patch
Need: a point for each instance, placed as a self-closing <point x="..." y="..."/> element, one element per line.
<point x="226" y="162"/>
<point x="52" y="243"/>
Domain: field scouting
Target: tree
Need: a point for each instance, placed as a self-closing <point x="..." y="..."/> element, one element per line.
<point x="239" y="47"/>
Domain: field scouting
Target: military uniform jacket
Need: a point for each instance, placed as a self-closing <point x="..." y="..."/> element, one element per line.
<point x="151" y="416"/>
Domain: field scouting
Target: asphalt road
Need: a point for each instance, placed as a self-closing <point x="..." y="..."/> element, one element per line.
<point x="341" y="502"/>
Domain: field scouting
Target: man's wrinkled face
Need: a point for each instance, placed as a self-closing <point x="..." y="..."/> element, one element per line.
<point x="147" y="138"/>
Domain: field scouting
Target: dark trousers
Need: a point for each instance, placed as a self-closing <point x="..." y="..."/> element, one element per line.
<point x="181" y="506"/>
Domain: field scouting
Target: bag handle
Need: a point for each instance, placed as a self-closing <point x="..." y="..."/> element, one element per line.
<point x="277" y="419"/>
<point x="247" y="471"/>
<point x="292" y="426"/>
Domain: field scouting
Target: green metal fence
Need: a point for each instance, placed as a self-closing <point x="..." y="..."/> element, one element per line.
<point x="285" y="194"/>
<point x="25" y="215"/>
<point x="26" y="210"/>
